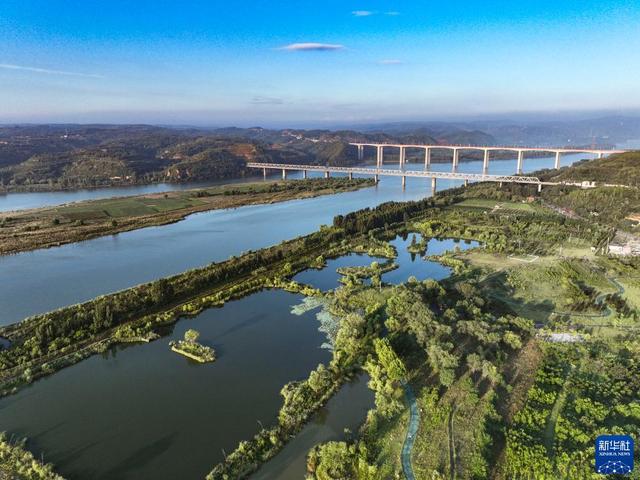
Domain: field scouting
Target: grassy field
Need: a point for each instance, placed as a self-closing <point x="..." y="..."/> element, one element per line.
<point x="487" y="204"/>
<point x="46" y="227"/>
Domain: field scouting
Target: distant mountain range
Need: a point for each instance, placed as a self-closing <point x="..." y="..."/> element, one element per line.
<point x="603" y="131"/>
<point x="49" y="157"/>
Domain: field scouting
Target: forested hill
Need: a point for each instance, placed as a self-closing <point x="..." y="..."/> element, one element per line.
<point x="52" y="157"/>
<point x="620" y="169"/>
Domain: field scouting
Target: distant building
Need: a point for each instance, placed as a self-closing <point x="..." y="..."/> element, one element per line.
<point x="625" y="245"/>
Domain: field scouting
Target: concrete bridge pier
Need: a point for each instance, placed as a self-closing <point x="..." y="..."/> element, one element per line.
<point x="485" y="162"/>
<point x="264" y="173"/>
<point x="557" y="160"/>
<point x="376" y="178"/>
<point x="360" y="152"/>
<point x="434" y="182"/>
<point x="284" y="174"/>
<point x="350" y="175"/>
<point x="304" y="174"/>
<point x="427" y="158"/>
<point x="379" y="155"/>
<point x="600" y="155"/>
<point x="539" y="187"/>
<point x="520" y="162"/>
<point x="403" y="154"/>
<point x="466" y="182"/>
<point x="327" y="174"/>
<point x="456" y="158"/>
<point x="404" y="182"/>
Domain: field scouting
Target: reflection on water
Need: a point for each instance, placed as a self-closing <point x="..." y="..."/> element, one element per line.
<point x="346" y="410"/>
<point x="24" y="200"/>
<point x="328" y="278"/>
<point x="145" y="412"/>
<point x="43" y="280"/>
<point x="409" y="264"/>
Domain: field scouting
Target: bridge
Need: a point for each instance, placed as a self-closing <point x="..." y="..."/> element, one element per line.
<point x="377" y="172"/>
<point x="456" y="149"/>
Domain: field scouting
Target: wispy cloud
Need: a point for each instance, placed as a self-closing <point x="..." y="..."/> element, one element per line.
<point x="259" y="100"/>
<point x="368" y="13"/>
<point x="363" y="13"/>
<point x="390" y="61"/>
<point x="312" y="47"/>
<point x="46" y="71"/>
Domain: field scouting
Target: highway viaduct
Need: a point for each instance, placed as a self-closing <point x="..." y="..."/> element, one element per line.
<point x="377" y="172"/>
<point x="456" y="149"/>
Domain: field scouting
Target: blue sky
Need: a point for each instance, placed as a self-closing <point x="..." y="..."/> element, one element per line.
<point x="254" y="62"/>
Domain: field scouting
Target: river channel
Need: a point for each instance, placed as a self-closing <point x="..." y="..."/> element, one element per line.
<point x="42" y="280"/>
<point x="141" y="411"/>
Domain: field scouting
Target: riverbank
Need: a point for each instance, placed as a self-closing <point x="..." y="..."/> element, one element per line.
<point x="47" y="227"/>
<point x="16" y="463"/>
<point x="417" y="318"/>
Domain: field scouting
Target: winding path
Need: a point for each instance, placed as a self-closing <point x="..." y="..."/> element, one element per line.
<point x="598" y="301"/>
<point x="414" y="422"/>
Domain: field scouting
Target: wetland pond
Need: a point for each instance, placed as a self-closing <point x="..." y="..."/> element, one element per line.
<point x="409" y="264"/>
<point x="141" y="411"/>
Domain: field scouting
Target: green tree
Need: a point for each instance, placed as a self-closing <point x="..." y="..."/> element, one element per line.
<point x="191" y="336"/>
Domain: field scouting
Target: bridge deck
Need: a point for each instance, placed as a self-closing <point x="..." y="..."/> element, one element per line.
<point x="493" y="148"/>
<point x="475" y="177"/>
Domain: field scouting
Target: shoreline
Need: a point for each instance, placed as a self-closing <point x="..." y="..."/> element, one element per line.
<point x="46" y="188"/>
<point x="47" y="227"/>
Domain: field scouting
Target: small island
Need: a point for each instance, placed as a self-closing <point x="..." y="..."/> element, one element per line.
<point x="189" y="347"/>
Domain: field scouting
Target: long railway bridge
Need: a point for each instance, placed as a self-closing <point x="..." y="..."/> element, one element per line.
<point x="377" y="172"/>
<point x="456" y="149"/>
<point x="402" y="172"/>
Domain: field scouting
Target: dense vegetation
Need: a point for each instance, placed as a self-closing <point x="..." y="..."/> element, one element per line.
<point x="56" y="157"/>
<point x="18" y="464"/>
<point x="189" y="347"/>
<point x="496" y="398"/>
<point x="580" y="392"/>
<point x="619" y="169"/>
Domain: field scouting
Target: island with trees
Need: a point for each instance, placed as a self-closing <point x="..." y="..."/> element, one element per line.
<point x="515" y="362"/>
<point x="189" y="347"/>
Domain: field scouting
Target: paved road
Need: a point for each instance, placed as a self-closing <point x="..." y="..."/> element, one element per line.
<point x="414" y="422"/>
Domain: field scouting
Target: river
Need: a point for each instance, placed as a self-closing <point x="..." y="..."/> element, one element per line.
<point x="42" y="280"/>
<point x="144" y="412"/>
<point x="23" y="200"/>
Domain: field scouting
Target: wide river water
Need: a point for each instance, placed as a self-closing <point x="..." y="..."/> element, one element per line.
<point x="42" y="280"/>
<point x="144" y="412"/>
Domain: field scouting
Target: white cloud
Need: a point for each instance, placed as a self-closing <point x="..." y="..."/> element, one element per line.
<point x="312" y="47"/>
<point x="392" y="14"/>
<point x="8" y="66"/>
<point x="390" y="61"/>
<point x="363" y="13"/>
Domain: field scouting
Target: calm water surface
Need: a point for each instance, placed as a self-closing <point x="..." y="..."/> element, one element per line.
<point x="409" y="264"/>
<point x="39" y="281"/>
<point x="346" y="410"/>
<point x="145" y="412"/>
<point x="21" y="201"/>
